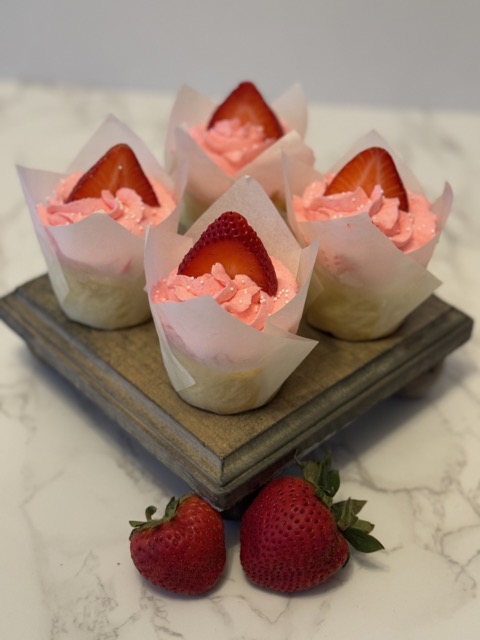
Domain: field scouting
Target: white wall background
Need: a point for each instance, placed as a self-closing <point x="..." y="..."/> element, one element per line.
<point x="419" y="53"/>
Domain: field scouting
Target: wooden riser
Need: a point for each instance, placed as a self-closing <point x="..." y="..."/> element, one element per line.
<point x="226" y="458"/>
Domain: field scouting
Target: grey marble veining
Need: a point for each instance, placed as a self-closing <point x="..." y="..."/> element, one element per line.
<point x="71" y="479"/>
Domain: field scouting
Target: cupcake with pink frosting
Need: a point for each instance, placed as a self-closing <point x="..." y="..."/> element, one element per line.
<point x="243" y="135"/>
<point x="376" y="231"/>
<point x="91" y="223"/>
<point x="227" y="298"/>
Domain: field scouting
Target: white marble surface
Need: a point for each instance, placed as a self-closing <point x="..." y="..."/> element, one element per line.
<point x="71" y="480"/>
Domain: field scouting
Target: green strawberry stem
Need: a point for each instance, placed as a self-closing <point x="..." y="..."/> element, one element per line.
<point x="151" y="523"/>
<point x="326" y="482"/>
<point x="325" y="479"/>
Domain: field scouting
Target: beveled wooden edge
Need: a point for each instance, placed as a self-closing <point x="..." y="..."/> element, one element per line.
<point x="457" y="330"/>
<point x="50" y="343"/>
<point x="225" y="482"/>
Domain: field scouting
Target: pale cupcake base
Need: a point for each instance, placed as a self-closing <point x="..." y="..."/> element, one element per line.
<point x="100" y="301"/>
<point x="222" y="392"/>
<point x="351" y="314"/>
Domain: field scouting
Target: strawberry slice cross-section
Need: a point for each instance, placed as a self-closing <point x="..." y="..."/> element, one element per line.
<point x="117" y="168"/>
<point x="248" y="105"/>
<point x="371" y="167"/>
<point x="232" y="242"/>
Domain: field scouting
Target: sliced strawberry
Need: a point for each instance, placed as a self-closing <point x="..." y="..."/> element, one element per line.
<point x="247" y="104"/>
<point x="367" y="169"/>
<point x="118" y="168"/>
<point x="231" y="241"/>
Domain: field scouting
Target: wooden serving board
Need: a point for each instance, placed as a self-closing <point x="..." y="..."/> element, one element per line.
<point x="226" y="458"/>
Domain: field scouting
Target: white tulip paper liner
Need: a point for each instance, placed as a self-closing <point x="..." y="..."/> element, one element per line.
<point x="363" y="286"/>
<point x="96" y="265"/>
<point x="206" y="180"/>
<point x="214" y="361"/>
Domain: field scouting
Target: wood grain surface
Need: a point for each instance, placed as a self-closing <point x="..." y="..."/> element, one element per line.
<point x="225" y="458"/>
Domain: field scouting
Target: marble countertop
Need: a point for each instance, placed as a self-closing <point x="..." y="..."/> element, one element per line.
<point x="71" y="479"/>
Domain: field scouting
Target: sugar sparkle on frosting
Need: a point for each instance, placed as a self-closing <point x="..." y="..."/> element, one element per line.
<point x="240" y="296"/>
<point x="408" y="230"/>
<point x="231" y="144"/>
<point x="125" y="206"/>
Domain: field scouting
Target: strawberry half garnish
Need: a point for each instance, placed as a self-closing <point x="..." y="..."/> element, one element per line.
<point x="232" y="242"/>
<point x="367" y="169"/>
<point x="118" y="168"/>
<point x="247" y="104"/>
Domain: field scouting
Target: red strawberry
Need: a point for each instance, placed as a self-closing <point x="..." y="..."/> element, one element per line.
<point x="118" y="168"/>
<point x="292" y="536"/>
<point x="368" y="168"/>
<point x="184" y="551"/>
<point x="247" y="104"/>
<point x="231" y="241"/>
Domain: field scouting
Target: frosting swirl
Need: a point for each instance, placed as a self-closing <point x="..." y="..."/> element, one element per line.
<point x="240" y="296"/>
<point x="231" y="144"/>
<point x="408" y="230"/>
<point x="125" y="206"/>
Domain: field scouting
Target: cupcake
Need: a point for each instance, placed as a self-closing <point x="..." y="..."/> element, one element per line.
<point x="376" y="231"/>
<point x="243" y="135"/>
<point x="91" y="223"/>
<point x="227" y="299"/>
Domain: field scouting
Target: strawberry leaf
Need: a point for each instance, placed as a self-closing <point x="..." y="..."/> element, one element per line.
<point x="324" y="497"/>
<point x="151" y="523"/>
<point x="333" y="481"/>
<point x="344" y="514"/>
<point x="311" y="472"/>
<point x="364" y="525"/>
<point x="322" y="476"/>
<point x="344" y="507"/>
<point x="326" y="482"/>
<point x="325" y="479"/>
<point x="357" y="505"/>
<point x="361" y="540"/>
<point x="330" y="479"/>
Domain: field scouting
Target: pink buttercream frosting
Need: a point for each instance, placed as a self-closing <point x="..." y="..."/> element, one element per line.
<point x="240" y="296"/>
<point x="408" y="230"/>
<point x="125" y="206"/>
<point x="231" y="144"/>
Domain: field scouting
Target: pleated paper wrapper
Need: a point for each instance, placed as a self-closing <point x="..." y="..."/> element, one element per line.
<point x="96" y="265"/>
<point x="206" y="180"/>
<point x="214" y="361"/>
<point x="363" y="286"/>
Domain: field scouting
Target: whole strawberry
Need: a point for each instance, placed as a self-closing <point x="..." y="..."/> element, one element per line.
<point x="292" y="536"/>
<point x="184" y="551"/>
